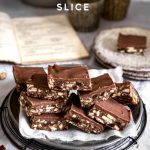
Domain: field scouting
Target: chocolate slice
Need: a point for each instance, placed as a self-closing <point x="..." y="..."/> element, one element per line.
<point x="102" y="88"/>
<point x="22" y="74"/>
<point x="110" y="113"/>
<point x="126" y="94"/>
<point x="37" y="86"/>
<point x="34" y="106"/>
<point x="50" y="122"/>
<point x="69" y="78"/>
<point x="131" y="43"/>
<point x="77" y="117"/>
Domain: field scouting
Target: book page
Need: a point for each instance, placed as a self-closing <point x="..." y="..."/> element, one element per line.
<point x="47" y="39"/>
<point x="8" y="47"/>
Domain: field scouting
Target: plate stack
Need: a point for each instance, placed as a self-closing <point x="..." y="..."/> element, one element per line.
<point x="135" y="66"/>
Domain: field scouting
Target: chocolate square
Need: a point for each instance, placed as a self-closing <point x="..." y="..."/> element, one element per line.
<point x="126" y="94"/>
<point x="102" y="88"/>
<point x="35" y="106"/>
<point x="69" y="78"/>
<point x="110" y="113"/>
<point x="77" y="117"/>
<point x="131" y="43"/>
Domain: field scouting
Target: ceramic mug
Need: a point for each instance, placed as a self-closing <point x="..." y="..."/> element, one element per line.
<point x="82" y="20"/>
<point x="115" y="9"/>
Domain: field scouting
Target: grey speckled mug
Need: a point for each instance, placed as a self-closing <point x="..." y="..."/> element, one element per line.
<point x="115" y="9"/>
<point x="82" y="20"/>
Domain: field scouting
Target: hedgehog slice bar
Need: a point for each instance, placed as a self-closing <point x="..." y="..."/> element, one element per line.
<point x="110" y="113"/>
<point x="126" y="94"/>
<point x="131" y="43"/>
<point x="37" y="86"/>
<point x="49" y="122"/>
<point x="77" y="117"/>
<point x="102" y="88"/>
<point x="34" y="106"/>
<point x="69" y="78"/>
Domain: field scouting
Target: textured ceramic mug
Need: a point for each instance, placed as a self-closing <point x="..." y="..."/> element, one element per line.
<point x="115" y="9"/>
<point x="85" y="21"/>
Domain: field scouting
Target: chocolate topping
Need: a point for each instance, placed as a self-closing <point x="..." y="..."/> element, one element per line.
<point x="135" y="41"/>
<point x="39" y="80"/>
<point x="47" y="117"/>
<point x="74" y="72"/>
<point x="22" y="74"/>
<point x="114" y="108"/>
<point x="99" y="83"/>
<point x="34" y="102"/>
<point x="69" y="78"/>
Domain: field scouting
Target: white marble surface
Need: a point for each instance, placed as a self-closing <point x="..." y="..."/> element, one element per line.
<point x="138" y="16"/>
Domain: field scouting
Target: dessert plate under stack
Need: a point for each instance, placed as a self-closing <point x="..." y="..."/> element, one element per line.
<point x="10" y="116"/>
<point x="135" y="66"/>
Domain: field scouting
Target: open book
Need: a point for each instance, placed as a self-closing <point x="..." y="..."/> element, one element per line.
<point x="38" y="40"/>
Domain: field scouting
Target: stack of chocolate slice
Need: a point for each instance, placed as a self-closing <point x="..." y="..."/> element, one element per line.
<point x="44" y="107"/>
<point x="74" y="78"/>
<point x="50" y="104"/>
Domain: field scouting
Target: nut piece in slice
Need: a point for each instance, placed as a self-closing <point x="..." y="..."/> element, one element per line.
<point x="3" y="75"/>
